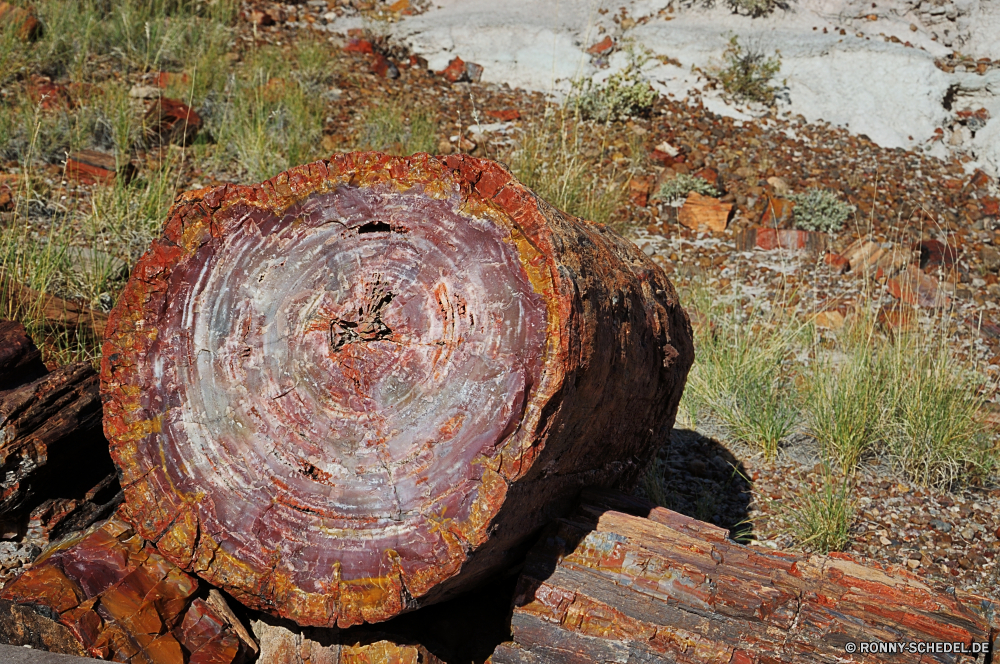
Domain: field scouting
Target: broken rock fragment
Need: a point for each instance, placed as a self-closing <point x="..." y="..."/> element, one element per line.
<point x="120" y="600"/>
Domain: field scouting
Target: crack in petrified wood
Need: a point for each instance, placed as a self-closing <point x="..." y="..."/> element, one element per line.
<point x="321" y="389"/>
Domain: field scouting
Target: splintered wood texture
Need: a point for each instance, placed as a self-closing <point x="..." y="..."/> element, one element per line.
<point x="611" y="587"/>
<point x="50" y="439"/>
<point x="355" y="388"/>
<point x="123" y="602"/>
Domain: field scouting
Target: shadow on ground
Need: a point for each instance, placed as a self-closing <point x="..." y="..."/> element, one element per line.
<point x="699" y="477"/>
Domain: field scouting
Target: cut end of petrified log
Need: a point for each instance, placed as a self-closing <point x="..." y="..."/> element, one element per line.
<point x="321" y="390"/>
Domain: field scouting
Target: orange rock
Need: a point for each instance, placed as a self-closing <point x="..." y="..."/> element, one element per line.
<point x="602" y="46"/>
<point x="831" y="320"/>
<point x="639" y="191"/>
<point x="837" y="262"/>
<point x="699" y="211"/>
<point x="777" y="212"/>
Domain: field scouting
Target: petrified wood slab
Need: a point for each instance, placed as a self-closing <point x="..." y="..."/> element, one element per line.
<point x="611" y="587"/>
<point x="357" y="387"/>
<point x="121" y="600"/>
<point x="51" y="443"/>
<point x="20" y="359"/>
<point x="282" y="645"/>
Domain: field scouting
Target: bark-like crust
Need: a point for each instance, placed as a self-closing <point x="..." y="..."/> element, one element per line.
<point x="355" y="388"/>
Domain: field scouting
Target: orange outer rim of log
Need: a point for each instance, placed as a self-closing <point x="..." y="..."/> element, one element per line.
<point x="486" y="190"/>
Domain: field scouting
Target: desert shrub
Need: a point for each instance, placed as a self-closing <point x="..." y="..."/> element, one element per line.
<point x="748" y="72"/>
<point x="754" y="8"/>
<point x="819" y="210"/>
<point x="625" y="94"/>
<point x="683" y="184"/>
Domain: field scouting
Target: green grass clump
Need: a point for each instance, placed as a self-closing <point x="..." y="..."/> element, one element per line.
<point x="748" y="72"/>
<point x="393" y="129"/>
<point x="268" y="118"/>
<point x="819" y="210"/>
<point x="550" y="160"/>
<point x="743" y="375"/>
<point x="683" y="184"/>
<point x="904" y="398"/>
<point x="820" y="518"/>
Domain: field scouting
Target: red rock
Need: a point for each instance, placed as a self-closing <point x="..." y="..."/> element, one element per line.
<point x="454" y="71"/>
<point x="704" y="211"/>
<point x="895" y="318"/>
<point x="639" y="191"/>
<point x="384" y="67"/>
<point x="710" y="175"/>
<point x="23" y="22"/>
<point x="661" y="157"/>
<point x="914" y="287"/>
<point x="790" y="239"/>
<point x="358" y="45"/>
<point x="506" y="115"/>
<point x="91" y="167"/>
<point x="990" y="206"/>
<point x="171" y="121"/>
<point x="122" y="600"/>
<point x="49" y="95"/>
<point x="934" y="253"/>
<point x="979" y="180"/>
<point x="777" y="212"/>
<point x="951" y="183"/>
<point x="602" y="46"/>
<point x="837" y="262"/>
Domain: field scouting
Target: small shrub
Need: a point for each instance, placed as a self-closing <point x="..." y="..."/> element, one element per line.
<point x="748" y="72"/>
<point x="819" y="210"/>
<point x="683" y="184"/>
<point x="754" y="8"/>
<point x="625" y="94"/>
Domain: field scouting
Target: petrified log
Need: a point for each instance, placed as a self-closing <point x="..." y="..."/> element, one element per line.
<point x="20" y="359"/>
<point x="608" y="586"/>
<point x="120" y="600"/>
<point x="356" y="388"/>
<point x="51" y="443"/>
